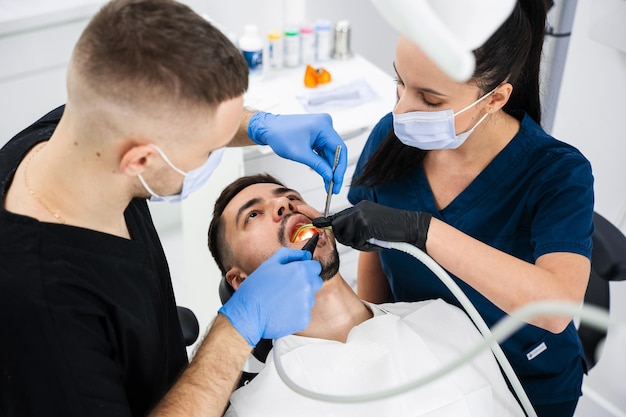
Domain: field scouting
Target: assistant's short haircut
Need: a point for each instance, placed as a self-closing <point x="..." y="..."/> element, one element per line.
<point x="158" y="48"/>
<point x="217" y="238"/>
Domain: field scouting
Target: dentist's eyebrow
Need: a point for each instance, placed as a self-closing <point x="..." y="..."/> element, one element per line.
<point x="420" y="89"/>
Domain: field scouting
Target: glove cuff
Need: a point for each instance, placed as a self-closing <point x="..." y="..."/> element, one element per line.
<point x="245" y="329"/>
<point x="256" y="127"/>
<point x="423" y="223"/>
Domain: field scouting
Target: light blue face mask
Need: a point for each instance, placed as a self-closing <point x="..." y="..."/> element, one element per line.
<point x="432" y="130"/>
<point x="193" y="180"/>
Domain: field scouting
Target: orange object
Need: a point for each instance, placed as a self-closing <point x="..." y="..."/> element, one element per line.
<point x="310" y="77"/>
<point x="313" y="77"/>
<point x="324" y="76"/>
<point x="303" y="232"/>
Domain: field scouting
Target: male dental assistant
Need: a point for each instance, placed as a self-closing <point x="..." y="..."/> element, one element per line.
<point x="87" y="313"/>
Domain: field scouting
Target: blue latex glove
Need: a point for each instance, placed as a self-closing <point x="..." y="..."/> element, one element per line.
<point x="306" y="138"/>
<point x="276" y="299"/>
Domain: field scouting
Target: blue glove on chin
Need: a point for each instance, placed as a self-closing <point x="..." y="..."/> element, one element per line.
<point x="276" y="299"/>
<point x="306" y="138"/>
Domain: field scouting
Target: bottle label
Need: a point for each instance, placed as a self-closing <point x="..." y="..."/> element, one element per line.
<point x="275" y="51"/>
<point x="307" y="48"/>
<point x="292" y="51"/>
<point x="254" y="59"/>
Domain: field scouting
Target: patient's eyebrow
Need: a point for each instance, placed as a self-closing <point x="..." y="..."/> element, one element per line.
<point x="245" y="207"/>
<point x="278" y="191"/>
<point x="283" y="190"/>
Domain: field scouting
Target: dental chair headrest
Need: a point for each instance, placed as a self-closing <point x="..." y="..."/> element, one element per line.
<point x="225" y="290"/>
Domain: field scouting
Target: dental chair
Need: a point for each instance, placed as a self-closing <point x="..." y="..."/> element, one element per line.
<point x="189" y="325"/>
<point x="608" y="263"/>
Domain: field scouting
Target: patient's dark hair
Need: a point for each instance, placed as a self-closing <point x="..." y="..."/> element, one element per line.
<point x="511" y="54"/>
<point x="220" y="251"/>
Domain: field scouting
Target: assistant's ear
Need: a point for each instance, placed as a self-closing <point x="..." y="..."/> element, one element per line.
<point x="499" y="97"/>
<point x="134" y="160"/>
<point x="235" y="276"/>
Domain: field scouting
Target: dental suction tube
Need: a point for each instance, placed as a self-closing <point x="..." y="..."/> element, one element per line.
<point x="594" y="316"/>
<point x="471" y="311"/>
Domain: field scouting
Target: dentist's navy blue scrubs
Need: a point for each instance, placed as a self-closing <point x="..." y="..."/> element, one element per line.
<point x="534" y="198"/>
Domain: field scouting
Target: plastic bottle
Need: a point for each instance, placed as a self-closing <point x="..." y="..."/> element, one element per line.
<point x="275" y="49"/>
<point x="292" y="47"/>
<point x="323" y="40"/>
<point x="341" y="48"/>
<point x="251" y="45"/>
<point x="307" y="45"/>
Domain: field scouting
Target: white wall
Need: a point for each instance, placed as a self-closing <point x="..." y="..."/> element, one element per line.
<point x="591" y="110"/>
<point x="371" y="36"/>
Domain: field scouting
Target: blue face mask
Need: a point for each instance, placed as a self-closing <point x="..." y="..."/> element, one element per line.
<point x="432" y="130"/>
<point x="193" y="180"/>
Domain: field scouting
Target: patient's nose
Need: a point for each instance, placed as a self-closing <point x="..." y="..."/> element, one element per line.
<point x="283" y="206"/>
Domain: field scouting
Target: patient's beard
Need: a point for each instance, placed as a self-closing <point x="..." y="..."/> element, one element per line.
<point x="330" y="263"/>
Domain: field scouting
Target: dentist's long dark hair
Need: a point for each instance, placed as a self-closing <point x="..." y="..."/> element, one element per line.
<point x="513" y="54"/>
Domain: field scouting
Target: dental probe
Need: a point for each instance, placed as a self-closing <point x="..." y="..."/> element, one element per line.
<point x="331" y="183"/>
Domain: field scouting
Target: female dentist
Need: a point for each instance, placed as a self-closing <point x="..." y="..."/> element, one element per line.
<point x="465" y="172"/>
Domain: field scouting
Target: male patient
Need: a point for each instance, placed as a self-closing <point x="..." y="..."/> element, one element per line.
<point x="350" y="346"/>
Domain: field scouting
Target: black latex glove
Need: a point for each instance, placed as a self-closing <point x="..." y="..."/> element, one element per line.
<point x="354" y="226"/>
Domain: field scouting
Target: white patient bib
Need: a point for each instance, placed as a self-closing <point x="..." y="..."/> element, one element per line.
<point x="380" y="353"/>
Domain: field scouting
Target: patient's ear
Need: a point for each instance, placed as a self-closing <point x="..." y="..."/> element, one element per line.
<point x="235" y="277"/>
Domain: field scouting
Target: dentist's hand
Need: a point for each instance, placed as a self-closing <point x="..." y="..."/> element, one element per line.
<point x="355" y="225"/>
<point x="306" y="138"/>
<point x="276" y="299"/>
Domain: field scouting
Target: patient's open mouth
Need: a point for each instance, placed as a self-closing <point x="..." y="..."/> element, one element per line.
<point x="305" y="231"/>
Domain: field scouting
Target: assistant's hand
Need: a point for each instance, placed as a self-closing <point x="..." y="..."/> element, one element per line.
<point x="354" y="226"/>
<point x="306" y="138"/>
<point x="276" y="299"/>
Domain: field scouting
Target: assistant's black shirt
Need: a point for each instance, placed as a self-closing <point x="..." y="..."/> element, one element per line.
<point x="88" y="321"/>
